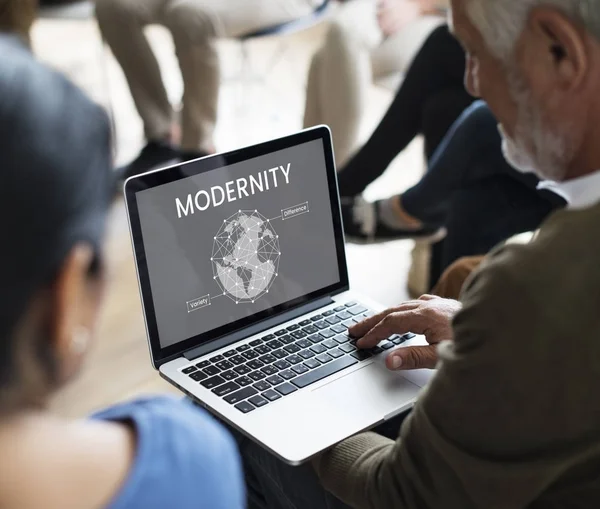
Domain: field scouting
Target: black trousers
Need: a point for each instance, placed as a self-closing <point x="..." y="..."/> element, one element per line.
<point x="471" y="190"/>
<point x="430" y="99"/>
<point x="272" y="484"/>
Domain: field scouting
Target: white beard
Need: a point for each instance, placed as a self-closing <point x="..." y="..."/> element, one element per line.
<point x="552" y="148"/>
<point x="516" y="155"/>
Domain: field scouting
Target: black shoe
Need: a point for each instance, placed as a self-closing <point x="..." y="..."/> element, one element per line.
<point x="154" y="155"/>
<point x="362" y="224"/>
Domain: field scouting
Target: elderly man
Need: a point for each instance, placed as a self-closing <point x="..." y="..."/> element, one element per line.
<point x="194" y="25"/>
<point x="512" y="418"/>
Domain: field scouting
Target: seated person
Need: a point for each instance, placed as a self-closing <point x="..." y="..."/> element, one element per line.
<point x="511" y="418"/>
<point x="194" y="25"/>
<point x="54" y="197"/>
<point x="470" y="193"/>
<point x="430" y="99"/>
<point x="366" y="40"/>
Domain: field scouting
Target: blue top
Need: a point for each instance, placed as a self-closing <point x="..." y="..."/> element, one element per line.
<point x="184" y="458"/>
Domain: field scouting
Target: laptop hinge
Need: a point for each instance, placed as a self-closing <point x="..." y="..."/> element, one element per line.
<point x="201" y="350"/>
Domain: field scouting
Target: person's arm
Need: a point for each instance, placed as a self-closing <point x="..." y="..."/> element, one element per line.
<point x="463" y="446"/>
<point x="184" y="459"/>
<point x="434" y="7"/>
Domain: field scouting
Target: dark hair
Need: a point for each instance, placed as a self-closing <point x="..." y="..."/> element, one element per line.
<point x="55" y="186"/>
<point x="17" y="16"/>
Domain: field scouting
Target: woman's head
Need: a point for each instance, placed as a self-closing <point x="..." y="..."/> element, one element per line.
<point x="18" y="16"/>
<point x="55" y="186"/>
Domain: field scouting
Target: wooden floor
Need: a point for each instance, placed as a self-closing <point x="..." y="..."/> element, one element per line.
<point x="118" y="367"/>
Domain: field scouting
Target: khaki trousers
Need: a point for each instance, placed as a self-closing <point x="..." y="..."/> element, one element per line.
<point x="194" y="25"/>
<point x="454" y="277"/>
<point x="353" y="56"/>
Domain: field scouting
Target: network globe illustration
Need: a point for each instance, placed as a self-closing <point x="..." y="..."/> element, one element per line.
<point x="245" y="257"/>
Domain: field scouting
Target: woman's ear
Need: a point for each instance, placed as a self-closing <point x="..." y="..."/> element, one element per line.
<point x="76" y="298"/>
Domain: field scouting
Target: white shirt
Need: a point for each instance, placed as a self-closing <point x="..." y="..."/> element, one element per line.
<point x="579" y="193"/>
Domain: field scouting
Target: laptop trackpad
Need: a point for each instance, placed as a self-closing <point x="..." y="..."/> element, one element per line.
<point x="372" y="389"/>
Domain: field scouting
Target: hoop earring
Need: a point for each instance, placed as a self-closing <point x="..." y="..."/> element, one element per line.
<point x="80" y="340"/>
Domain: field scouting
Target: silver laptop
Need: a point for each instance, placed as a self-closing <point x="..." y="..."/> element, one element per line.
<point x="244" y="286"/>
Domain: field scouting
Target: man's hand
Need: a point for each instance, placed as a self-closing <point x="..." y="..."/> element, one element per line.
<point x="429" y="315"/>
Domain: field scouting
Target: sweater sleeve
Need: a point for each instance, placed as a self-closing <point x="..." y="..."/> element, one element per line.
<point x="472" y="438"/>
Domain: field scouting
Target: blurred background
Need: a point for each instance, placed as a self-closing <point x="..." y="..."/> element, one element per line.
<point x="262" y="96"/>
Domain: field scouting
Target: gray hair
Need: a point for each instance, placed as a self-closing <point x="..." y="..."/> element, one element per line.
<point x="502" y="21"/>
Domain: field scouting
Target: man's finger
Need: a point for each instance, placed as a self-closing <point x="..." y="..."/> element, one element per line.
<point x="412" y="357"/>
<point x="398" y="322"/>
<point x="428" y="297"/>
<point x="361" y="328"/>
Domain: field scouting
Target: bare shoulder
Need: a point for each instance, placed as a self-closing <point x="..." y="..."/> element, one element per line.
<point x="81" y="464"/>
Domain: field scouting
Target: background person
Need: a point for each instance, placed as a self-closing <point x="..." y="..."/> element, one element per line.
<point x="195" y="25"/>
<point x="367" y="40"/>
<point x="470" y="191"/>
<point x="430" y="99"/>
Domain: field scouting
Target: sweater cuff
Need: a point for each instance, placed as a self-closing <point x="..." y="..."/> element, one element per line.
<point x="338" y="469"/>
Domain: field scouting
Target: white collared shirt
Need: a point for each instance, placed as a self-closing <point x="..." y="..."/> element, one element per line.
<point x="579" y="193"/>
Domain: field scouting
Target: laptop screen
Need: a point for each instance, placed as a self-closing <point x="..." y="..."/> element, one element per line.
<point x="224" y="246"/>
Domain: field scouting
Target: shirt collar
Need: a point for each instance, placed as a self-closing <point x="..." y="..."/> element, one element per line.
<point x="579" y="193"/>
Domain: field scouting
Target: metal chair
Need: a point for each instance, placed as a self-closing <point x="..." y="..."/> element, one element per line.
<point x="84" y="10"/>
<point x="293" y="26"/>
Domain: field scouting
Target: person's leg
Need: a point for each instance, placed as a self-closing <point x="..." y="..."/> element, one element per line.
<point x="340" y="74"/>
<point x="470" y="151"/>
<point x="440" y="112"/>
<point x="454" y="169"/>
<point x="453" y="279"/>
<point x="396" y="52"/>
<point x="195" y="24"/>
<point x="469" y="189"/>
<point x="272" y="484"/>
<point x="490" y="211"/>
<point x="438" y="66"/>
<point x="122" y="25"/>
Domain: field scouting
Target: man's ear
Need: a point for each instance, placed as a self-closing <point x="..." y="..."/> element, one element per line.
<point x="75" y="306"/>
<point x="565" y="45"/>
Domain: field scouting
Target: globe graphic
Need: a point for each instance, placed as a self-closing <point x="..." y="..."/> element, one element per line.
<point x="245" y="256"/>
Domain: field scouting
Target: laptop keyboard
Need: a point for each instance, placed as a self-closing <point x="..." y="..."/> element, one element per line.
<point x="277" y="365"/>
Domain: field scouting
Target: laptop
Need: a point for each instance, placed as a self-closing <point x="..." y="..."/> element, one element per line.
<point x="246" y="298"/>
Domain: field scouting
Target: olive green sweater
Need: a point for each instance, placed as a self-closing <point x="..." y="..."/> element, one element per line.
<point x="512" y="418"/>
